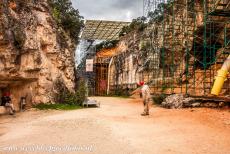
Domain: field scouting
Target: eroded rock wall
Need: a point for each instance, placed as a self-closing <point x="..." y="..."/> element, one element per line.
<point x="34" y="52"/>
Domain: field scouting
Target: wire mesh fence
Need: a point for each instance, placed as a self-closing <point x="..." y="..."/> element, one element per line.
<point x="180" y="51"/>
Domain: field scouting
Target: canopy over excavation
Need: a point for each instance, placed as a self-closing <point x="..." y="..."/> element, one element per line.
<point x="102" y="30"/>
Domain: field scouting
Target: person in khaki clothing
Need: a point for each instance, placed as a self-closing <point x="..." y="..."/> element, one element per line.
<point x="145" y="95"/>
<point x="145" y="91"/>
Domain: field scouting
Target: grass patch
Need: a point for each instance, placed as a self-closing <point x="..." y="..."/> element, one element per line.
<point x="57" y="107"/>
<point x="121" y="96"/>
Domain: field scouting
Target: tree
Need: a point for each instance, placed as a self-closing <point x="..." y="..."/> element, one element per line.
<point x="67" y="17"/>
<point x="136" y="24"/>
<point x="158" y="14"/>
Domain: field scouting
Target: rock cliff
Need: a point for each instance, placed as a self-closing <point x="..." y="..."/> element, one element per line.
<point x="34" y="52"/>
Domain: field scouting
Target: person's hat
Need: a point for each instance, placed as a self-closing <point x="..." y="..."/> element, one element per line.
<point x="6" y="94"/>
<point x="141" y="83"/>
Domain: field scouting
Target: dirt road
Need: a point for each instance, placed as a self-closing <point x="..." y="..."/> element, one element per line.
<point x="117" y="128"/>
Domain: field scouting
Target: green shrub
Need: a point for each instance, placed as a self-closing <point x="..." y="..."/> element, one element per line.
<point x="57" y="107"/>
<point x="158" y="99"/>
<point x="64" y="96"/>
<point x="119" y="92"/>
<point x="81" y="92"/>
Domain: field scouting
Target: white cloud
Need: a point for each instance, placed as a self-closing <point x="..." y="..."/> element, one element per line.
<point x="128" y="15"/>
<point x="121" y="10"/>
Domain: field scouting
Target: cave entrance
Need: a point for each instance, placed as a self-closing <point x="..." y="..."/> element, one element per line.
<point x="18" y="88"/>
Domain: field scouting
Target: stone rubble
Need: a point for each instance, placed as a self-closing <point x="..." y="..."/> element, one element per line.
<point x="178" y="101"/>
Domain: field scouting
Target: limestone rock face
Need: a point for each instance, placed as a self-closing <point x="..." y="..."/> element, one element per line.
<point x="34" y="52"/>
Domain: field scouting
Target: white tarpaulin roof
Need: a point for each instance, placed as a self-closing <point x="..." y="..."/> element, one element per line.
<point x="102" y="30"/>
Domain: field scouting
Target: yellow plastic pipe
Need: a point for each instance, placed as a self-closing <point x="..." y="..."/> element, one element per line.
<point x="221" y="77"/>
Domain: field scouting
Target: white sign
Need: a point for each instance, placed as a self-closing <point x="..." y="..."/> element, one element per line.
<point x="89" y="65"/>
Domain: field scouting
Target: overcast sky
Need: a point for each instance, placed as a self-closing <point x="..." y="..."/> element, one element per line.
<point x="119" y="10"/>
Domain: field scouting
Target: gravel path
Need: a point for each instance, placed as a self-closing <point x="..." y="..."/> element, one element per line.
<point x="117" y="128"/>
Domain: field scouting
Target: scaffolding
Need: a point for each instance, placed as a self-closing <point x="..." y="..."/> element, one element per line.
<point x="189" y="43"/>
<point x="184" y="45"/>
